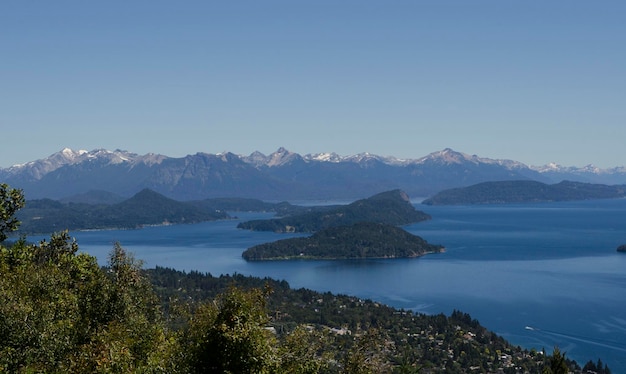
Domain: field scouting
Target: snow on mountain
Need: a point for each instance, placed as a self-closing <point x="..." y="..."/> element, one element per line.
<point x="324" y="157"/>
<point x="445" y="157"/>
<point x="282" y="174"/>
<point x="282" y="157"/>
<point x="67" y="156"/>
<point x="363" y="158"/>
<point x="587" y="173"/>
<point x="556" y="168"/>
<point x="366" y="157"/>
<point x="36" y="170"/>
<point x="449" y="157"/>
<point x="256" y="158"/>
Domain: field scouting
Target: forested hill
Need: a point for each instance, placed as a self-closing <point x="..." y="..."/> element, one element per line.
<point x="346" y="334"/>
<point x="102" y="210"/>
<point x="145" y="208"/>
<point x="361" y="240"/>
<point x="525" y="191"/>
<point x="391" y="207"/>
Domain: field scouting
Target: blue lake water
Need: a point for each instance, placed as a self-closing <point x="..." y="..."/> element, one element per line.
<point x="551" y="267"/>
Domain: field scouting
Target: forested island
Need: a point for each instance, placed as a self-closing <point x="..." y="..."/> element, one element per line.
<point x="622" y="248"/>
<point x="525" y="191"/>
<point x="358" y="241"/>
<point x="391" y="207"/>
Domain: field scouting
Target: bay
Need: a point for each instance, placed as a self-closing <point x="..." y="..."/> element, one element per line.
<point x="540" y="275"/>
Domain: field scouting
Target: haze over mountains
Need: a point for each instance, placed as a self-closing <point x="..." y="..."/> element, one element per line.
<point x="282" y="175"/>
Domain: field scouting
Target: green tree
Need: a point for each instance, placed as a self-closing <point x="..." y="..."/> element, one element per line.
<point x="52" y="301"/>
<point x="61" y="312"/>
<point x="11" y="200"/>
<point x="131" y="335"/>
<point x="305" y="350"/>
<point x="230" y="335"/>
<point x="557" y="364"/>
<point x="368" y="354"/>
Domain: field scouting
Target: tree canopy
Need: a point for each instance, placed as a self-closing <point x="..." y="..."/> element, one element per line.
<point x="11" y="200"/>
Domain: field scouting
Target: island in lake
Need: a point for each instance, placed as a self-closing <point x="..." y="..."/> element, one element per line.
<point x="525" y="191"/>
<point x="357" y="241"/>
<point x="391" y="207"/>
<point x="622" y="248"/>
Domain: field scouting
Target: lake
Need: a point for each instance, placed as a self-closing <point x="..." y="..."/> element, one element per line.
<point x="540" y="275"/>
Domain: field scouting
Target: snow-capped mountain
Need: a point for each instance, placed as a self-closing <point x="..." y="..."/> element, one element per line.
<point x="280" y="175"/>
<point x="39" y="168"/>
<point x="449" y="157"/>
<point x="588" y="173"/>
<point x="36" y="169"/>
<point x="323" y="157"/>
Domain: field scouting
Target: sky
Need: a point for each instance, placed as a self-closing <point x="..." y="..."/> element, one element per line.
<point x="531" y="81"/>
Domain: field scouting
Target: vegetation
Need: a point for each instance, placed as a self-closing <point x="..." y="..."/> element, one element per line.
<point x="596" y="367"/>
<point x="346" y="334"/>
<point x="61" y="312"/>
<point x="621" y="248"/>
<point x="361" y="240"/>
<point x="392" y="207"/>
<point x="11" y="200"/>
<point x="524" y="191"/>
<point x="145" y="208"/>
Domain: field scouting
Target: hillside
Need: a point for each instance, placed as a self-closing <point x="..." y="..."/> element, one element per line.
<point x="391" y="207"/>
<point x="358" y="241"/>
<point x="145" y="208"/>
<point x="525" y="191"/>
<point x="414" y="342"/>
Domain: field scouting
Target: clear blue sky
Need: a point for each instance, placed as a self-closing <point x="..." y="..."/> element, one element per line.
<point x="533" y="81"/>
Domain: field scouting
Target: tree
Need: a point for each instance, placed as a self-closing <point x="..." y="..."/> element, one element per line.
<point x="305" y="350"/>
<point x="61" y="312"/>
<point x="368" y="354"/>
<point x="557" y="363"/>
<point x="11" y="200"/>
<point x="229" y="335"/>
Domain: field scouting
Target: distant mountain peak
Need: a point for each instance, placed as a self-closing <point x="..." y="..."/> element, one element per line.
<point x="448" y="156"/>
<point x="281" y="157"/>
<point x="68" y="152"/>
<point x="324" y="157"/>
<point x="67" y="156"/>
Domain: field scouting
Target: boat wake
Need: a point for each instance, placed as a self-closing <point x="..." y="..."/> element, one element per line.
<point x="601" y="343"/>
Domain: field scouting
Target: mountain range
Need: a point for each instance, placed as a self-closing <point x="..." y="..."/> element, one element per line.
<point x="281" y="175"/>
